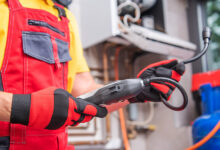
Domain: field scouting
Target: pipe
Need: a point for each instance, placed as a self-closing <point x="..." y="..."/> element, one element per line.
<point x="128" y="16"/>
<point x="108" y="121"/>
<point x="106" y="81"/>
<point x="147" y="4"/>
<point x="121" y="113"/>
<point x="133" y="113"/>
<point x="84" y="134"/>
<point x="147" y="121"/>
<point x="105" y="63"/>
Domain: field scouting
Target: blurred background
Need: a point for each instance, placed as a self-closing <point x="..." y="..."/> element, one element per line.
<point x="121" y="37"/>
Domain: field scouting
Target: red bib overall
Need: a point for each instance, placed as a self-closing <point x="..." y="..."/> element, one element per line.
<point x="36" y="57"/>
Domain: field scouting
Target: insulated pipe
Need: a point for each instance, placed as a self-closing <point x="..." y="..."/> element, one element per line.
<point x="147" y="4"/>
<point x="147" y="121"/>
<point x="121" y="113"/>
<point x="128" y="16"/>
<point x="133" y="112"/>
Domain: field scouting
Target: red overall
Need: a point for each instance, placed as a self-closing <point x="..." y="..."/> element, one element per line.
<point x="36" y="57"/>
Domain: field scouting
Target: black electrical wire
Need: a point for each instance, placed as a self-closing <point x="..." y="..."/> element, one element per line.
<point x="175" y="83"/>
<point x="206" y="38"/>
<point x="197" y="56"/>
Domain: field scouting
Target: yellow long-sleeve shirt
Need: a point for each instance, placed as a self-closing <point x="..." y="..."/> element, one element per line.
<point x="77" y="64"/>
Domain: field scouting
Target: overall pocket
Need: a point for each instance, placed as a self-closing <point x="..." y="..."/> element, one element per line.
<point x="45" y="61"/>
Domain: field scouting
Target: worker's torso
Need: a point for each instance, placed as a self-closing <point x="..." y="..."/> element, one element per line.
<point x="36" y="57"/>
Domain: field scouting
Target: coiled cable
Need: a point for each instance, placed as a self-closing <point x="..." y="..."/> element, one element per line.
<point x="206" y="38"/>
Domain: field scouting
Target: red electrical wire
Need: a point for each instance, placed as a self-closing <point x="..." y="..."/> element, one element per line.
<point x="206" y="138"/>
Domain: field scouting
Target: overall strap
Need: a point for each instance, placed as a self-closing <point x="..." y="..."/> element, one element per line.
<point x="14" y="4"/>
<point x="61" y="10"/>
<point x="1" y="85"/>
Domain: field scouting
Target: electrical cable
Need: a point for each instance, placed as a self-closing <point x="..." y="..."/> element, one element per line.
<point x="173" y="82"/>
<point x="197" y="56"/>
<point x="206" y="138"/>
<point x="206" y="38"/>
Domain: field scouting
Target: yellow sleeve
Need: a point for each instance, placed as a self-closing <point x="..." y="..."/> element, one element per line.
<point x="76" y="46"/>
<point x="78" y="63"/>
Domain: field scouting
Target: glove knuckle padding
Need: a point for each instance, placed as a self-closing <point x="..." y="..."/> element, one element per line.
<point x="169" y="63"/>
<point x="147" y="73"/>
<point x="102" y="112"/>
<point x="169" y="69"/>
<point x="148" y="94"/>
<point x="61" y="107"/>
<point x="163" y="72"/>
<point x="180" y="68"/>
<point x="81" y="104"/>
<point x="90" y="109"/>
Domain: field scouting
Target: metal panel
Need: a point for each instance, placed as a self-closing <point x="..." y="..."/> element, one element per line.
<point x="157" y="47"/>
<point x="196" y="22"/>
<point x="97" y="20"/>
<point x="163" y="38"/>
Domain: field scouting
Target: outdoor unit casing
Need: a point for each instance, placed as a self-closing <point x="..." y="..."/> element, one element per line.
<point x="97" y="20"/>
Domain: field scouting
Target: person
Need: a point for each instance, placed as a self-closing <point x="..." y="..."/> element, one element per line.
<point x="43" y="71"/>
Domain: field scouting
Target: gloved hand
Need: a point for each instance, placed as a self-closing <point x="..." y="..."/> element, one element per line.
<point x="168" y="68"/>
<point x="52" y="109"/>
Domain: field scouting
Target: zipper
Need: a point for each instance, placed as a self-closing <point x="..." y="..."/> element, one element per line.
<point x="45" y="24"/>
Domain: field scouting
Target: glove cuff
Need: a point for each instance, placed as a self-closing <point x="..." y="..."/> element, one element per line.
<point x="20" y="110"/>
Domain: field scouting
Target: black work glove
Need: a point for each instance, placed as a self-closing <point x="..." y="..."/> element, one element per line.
<point x="168" y="68"/>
